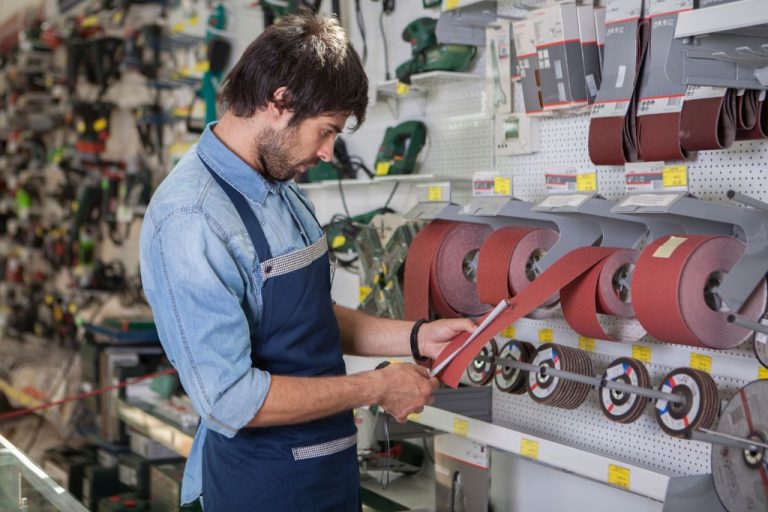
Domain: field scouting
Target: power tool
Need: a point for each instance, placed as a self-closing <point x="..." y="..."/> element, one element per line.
<point x="400" y="148"/>
<point x="218" y="51"/>
<point x="343" y="166"/>
<point x="428" y="55"/>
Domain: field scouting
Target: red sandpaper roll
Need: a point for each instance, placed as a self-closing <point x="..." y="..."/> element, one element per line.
<point x="451" y="291"/>
<point x="659" y="136"/>
<point x="564" y="271"/>
<point x="747" y="106"/>
<point x="760" y="130"/>
<point x="668" y="291"/>
<point x="708" y="123"/>
<point x="504" y="260"/>
<point x="418" y="268"/>
<point x="608" y="300"/>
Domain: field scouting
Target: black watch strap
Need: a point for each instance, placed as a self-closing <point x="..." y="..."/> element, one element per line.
<point x="415" y="341"/>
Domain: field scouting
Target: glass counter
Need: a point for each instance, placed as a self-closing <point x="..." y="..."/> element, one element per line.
<point x="26" y="487"/>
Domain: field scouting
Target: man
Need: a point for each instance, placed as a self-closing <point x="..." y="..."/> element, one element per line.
<point x="236" y="270"/>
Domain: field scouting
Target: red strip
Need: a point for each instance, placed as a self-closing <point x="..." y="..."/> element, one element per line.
<point x="75" y="398"/>
<point x="685" y="421"/>
<point x="526" y="55"/>
<point x="574" y="102"/>
<point x="611" y="101"/>
<point x="611" y="406"/>
<point x="668" y="13"/>
<point x="547" y="45"/>
<point x="748" y="415"/>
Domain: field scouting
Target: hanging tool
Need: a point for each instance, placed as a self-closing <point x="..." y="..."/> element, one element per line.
<point x="400" y="148"/>
<point x="428" y="55"/>
<point x="343" y="166"/>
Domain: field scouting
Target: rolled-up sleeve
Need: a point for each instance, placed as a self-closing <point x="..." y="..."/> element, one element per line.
<point x="196" y="291"/>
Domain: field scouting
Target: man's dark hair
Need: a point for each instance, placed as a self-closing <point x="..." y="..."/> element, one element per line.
<point x="312" y="57"/>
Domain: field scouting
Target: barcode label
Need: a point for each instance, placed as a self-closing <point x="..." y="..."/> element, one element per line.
<point x="665" y="105"/>
<point x="617" y="108"/>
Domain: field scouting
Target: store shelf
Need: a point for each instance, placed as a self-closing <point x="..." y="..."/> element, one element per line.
<point x="584" y="463"/>
<point x="422" y="82"/>
<point x="745" y="17"/>
<point x="411" y="492"/>
<point x="383" y="180"/>
<point x="158" y="429"/>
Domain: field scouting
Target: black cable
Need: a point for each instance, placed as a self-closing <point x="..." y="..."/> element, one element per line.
<point x="384" y="43"/>
<point x="391" y="195"/>
<point x="361" y="28"/>
<point x="343" y="199"/>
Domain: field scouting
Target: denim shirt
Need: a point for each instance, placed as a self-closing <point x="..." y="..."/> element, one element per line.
<point x="200" y="274"/>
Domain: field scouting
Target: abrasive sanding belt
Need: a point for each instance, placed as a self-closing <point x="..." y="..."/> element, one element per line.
<point x="434" y="271"/>
<point x="563" y="272"/>
<point x="709" y="123"/>
<point x="668" y="287"/>
<point x="760" y="129"/>
<point x="614" y="140"/>
<point x="594" y="293"/>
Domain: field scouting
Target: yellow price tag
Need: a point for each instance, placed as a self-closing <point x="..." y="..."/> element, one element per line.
<point x="641" y="353"/>
<point x="529" y="448"/>
<point x="546" y="335"/>
<point x="80" y="127"/>
<point x="435" y="193"/>
<point x="72" y="308"/>
<point x="460" y="427"/>
<point x="674" y="176"/>
<point x="338" y="241"/>
<point x="451" y="4"/>
<point x="586" y="182"/>
<point x="202" y="66"/>
<point x="89" y="21"/>
<point x="587" y="344"/>
<point x="701" y="362"/>
<point x="618" y="476"/>
<point x="402" y="88"/>
<point x="382" y="168"/>
<point x="178" y="27"/>
<point x="762" y="372"/>
<point x="194" y="20"/>
<point x="502" y="186"/>
<point x="509" y="332"/>
<point x="365" y="291"/>
<point x="100" y="124"/>
<point x="414" y="416"/>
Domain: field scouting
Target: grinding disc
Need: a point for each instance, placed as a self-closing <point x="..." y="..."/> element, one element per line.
<point x="741" y="476"/>
<point x="674" y="291"/>
<point x="455" y="271"/>
<point x="481" y="370"/>
<point x="699" y="409"/>
<point x="760" y="345"/>
<point x="555" y="391"/>
<point x="621" y="406"/>
<point x="513" y="380"/>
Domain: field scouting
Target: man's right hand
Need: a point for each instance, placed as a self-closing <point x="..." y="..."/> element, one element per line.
<point x="405" y="388"/>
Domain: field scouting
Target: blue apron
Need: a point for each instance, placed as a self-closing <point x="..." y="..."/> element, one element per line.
<point x="307" y="467"/>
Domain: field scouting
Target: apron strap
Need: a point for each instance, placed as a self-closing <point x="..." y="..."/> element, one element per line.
<point x="252" y="224"/>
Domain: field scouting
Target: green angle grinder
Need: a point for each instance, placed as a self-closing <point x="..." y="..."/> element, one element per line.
<point x="428" y="55"/>
<point x="400" y="148"/>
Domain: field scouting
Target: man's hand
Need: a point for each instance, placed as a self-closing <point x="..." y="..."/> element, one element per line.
<point x="405" y="389"/>
<point x="434" y="336"/>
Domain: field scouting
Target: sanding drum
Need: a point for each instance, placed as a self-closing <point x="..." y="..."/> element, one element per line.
<point x="603" y="290"/>
<point x="674" y="291"/>
<point x="440" y="271"/>
<point x="507" y="264"/>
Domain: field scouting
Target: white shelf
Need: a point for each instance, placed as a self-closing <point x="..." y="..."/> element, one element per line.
<point x="382" y="180"/>
<point x="584" y="463"/>
<point x="422" y="82"/>
<point x="155" y="428"/>
<point x="413" y="492"/>
<point x="749" y="17"/>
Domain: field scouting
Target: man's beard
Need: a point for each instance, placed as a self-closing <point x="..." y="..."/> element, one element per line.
<point x="274" y="154"/>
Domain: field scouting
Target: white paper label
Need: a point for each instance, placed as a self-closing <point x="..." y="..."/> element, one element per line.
<point x="620" y="75"/>
<point x="623" y="9"/>
<point x="560" y="201"/>
<point x="613" y="372"/>
<point x="703" y="92"/>
<point x="545" y="355"/>
<point x="649" y="200"/>
<point x="664" y="105"/>
<point x="617" y="108"/>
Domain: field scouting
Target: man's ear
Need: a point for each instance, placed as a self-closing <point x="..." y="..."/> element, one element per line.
<point x="275" y="106"/>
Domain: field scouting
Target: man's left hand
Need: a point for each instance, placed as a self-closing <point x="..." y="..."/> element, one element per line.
<point x="434" y="336"/>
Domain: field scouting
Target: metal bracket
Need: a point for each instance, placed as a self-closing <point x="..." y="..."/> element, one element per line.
<point x="749" y="225"/>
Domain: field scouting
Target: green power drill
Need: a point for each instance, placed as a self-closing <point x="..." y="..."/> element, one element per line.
<point x="428" y="55"/>
<point x="400" y="148"/>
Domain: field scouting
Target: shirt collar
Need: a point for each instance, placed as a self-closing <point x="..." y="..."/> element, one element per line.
<point x="246" y="180"/>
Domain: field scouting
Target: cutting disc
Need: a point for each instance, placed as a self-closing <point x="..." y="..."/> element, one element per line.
<point x="699" y="410"/>
<point x="741" y="476"/>
<point x="760" y="344"/>
<point x="555" y="391"/>
<point x="481" y="370"/>
<point x="512" y="380"/>
<point x="621" y="406"/>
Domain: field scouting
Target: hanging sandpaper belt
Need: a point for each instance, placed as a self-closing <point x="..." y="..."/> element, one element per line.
<point x="613" y="124"/>
<point x="760" y="130"/>
<point x="750" y="124"/>
<point x="564" y="271"/>
<point x="674" y="291"/>
<point x="507" y="264"/>
<point x="708" y="120"/>
<point x="662" y="88"/>
<point x="436" y="268"/>
<point x="599" y="292"/>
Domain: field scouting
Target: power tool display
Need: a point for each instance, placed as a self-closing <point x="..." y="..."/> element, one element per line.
<point x="428" y="55"/>
<point x="400" y="148"/>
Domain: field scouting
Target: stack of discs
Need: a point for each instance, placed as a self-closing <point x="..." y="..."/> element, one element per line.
<point x="621" y="406"/>
<point x="481" y="370"/>
<point x="513" y="380"/>
<point x="555" y="391"/>
<point x="698" y="410"/>
<point x="740" y="476"/>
